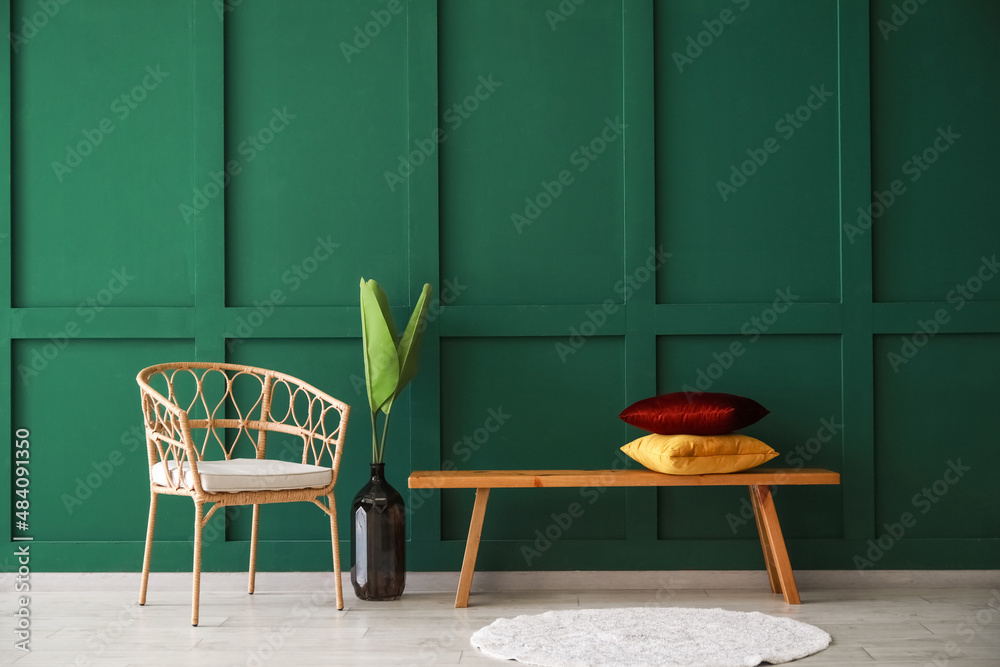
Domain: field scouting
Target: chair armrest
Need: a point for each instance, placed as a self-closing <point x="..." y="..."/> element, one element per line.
<point x="315" y="416"/>
<point x="168" y="438"/>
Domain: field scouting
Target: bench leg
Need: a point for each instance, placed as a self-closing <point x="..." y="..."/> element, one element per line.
<point x="767" y="521"/>
<point x="772" y="571"/>
<point x="472" y="548"/>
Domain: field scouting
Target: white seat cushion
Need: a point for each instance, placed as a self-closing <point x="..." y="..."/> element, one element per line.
<point x="247" y="475"/>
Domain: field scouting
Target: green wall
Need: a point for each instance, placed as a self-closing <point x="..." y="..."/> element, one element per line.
<point x="612" y="198"/>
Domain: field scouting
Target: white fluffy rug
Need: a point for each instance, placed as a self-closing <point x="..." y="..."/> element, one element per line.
<point x="654" y="637"/>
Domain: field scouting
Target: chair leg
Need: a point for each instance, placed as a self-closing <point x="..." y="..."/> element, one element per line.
<point x="196" y="586"/>
<point x="253" y="548"/>
<point x="147" y="554"/>
<point x="336" y="551"/>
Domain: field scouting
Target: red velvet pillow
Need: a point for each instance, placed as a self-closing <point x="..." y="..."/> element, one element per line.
<point x="689" y="413"/>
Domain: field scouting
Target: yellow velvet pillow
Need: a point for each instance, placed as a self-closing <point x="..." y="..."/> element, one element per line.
<point x="699" y="454"/>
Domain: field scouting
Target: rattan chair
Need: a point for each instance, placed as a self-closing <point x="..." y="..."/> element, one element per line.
<point x="187" y="406"/>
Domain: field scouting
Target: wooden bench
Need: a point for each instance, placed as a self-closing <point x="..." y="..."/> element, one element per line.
<point x="760" y="481"/>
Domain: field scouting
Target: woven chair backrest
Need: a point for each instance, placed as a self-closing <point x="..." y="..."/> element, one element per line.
<point x="232" y="408"/>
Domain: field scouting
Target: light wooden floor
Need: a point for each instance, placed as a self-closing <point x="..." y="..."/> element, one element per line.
<point x="302" y="628"/>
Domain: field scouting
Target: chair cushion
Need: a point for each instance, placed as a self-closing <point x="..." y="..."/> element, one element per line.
<point x="248" y="475"/>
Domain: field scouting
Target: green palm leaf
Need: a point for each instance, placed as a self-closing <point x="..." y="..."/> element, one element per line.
<point x="409" y="344"/>
<point x="381" y="360"/>
<point x="390" y="361"/>
<point x="383" y="304"/>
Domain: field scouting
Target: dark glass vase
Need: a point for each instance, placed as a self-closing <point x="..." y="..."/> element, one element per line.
<point x="378" y="540"/>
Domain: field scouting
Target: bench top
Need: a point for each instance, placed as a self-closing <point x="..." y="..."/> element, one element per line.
<point x="498" y="479"/>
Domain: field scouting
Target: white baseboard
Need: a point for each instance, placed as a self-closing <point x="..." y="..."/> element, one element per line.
<point x="433" y="582"/>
